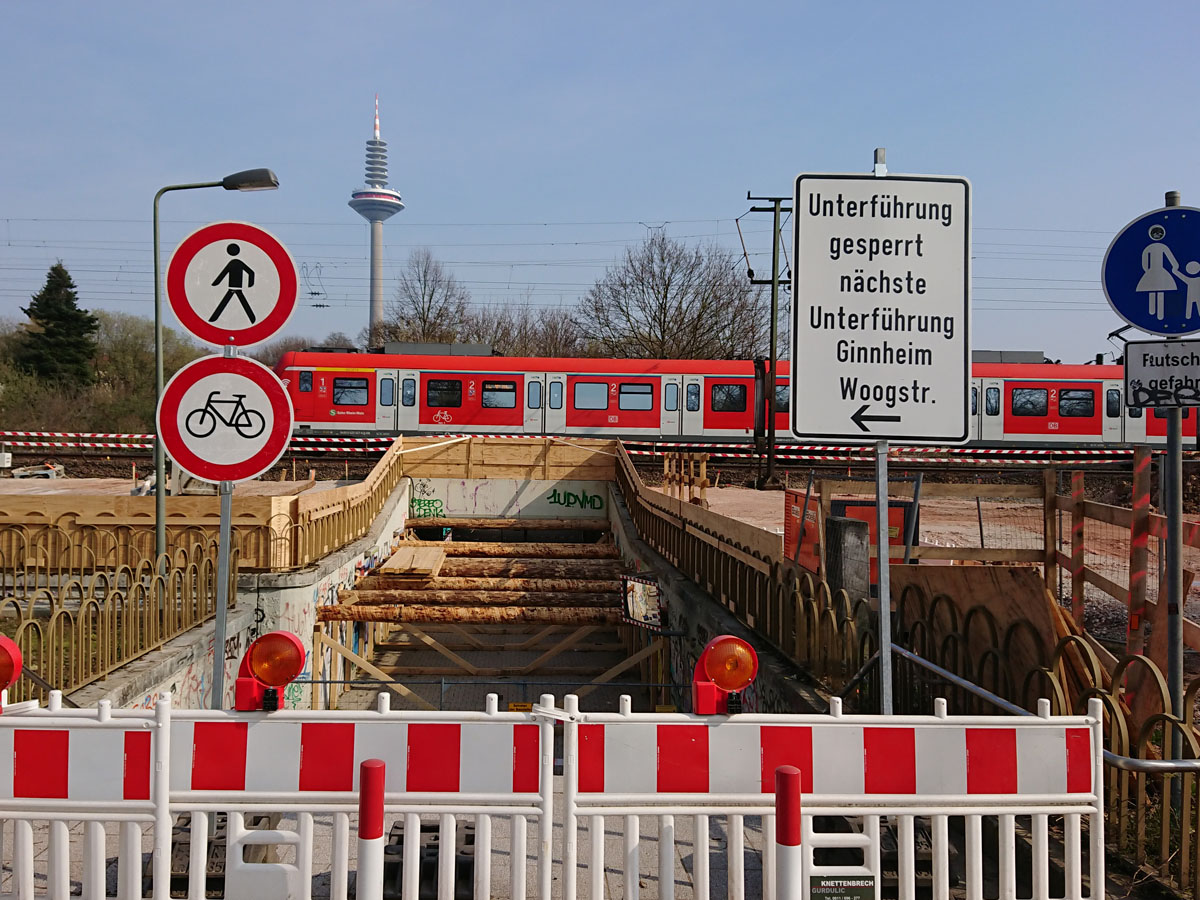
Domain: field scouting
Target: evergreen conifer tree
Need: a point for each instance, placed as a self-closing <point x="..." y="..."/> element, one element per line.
<point x="59" y="343"/>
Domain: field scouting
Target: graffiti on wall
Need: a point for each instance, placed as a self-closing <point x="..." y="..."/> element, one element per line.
<point x="580" y="499"/>
<point x="423" y="508"/>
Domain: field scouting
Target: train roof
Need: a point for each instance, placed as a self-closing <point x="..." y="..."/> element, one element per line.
<point x="344" y="361"/>
<point x="1047" y="371"/>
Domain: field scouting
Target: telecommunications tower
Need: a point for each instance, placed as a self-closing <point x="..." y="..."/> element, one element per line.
<point x="376" y="202"/>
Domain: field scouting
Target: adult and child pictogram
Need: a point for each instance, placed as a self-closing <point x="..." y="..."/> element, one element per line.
<point x="1151" y="272"/>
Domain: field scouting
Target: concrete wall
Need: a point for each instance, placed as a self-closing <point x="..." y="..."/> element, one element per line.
<point x="502" y="497"/>
<point x="284" y="601"/>
<point x="781" y="686"/>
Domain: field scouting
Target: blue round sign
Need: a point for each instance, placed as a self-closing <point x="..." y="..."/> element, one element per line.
<point x="1151" y="271"/>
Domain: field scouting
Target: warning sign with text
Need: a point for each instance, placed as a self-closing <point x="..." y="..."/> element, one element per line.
<point x="881" y="308"/>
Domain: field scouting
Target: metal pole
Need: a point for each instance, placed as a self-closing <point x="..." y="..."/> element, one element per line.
<point x="160" y="475"/>
<point x="770" y="480"/>
<point x="1175" y="598"/>
<point x="885" y="587"/>
<point x="160" y="497"/>
<point x="218" y="674"/>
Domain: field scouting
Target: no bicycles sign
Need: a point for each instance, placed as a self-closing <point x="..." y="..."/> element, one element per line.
<point x="225" y="418"/>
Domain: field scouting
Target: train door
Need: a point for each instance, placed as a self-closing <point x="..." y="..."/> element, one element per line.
<point x="535" y="403"/>
<point x="672" y="400"/>
<point x="1112" y="412"/>
<point x="991" y="420"/>
<point x="408" y="417"/>
<point x="556" y="403"/>
<point x="693" y="406"/>
<point x="973" y="430"/>
<point x="386" y="399"/>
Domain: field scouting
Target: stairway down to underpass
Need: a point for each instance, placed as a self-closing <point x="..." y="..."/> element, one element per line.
<point x="512" y="607"/>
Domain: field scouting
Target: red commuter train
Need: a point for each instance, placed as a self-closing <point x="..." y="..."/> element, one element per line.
<point x="1012" y="404"/>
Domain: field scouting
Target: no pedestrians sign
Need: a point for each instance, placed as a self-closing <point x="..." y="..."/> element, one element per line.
<point x="881" y="308"/>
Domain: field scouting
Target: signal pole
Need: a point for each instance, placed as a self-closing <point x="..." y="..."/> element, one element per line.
<point x="769" y="480"/>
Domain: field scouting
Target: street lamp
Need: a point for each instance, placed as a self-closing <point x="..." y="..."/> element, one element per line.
<point x="249" y="180"/>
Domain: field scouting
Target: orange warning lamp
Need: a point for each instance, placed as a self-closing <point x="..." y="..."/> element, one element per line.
<point x="726" y="667"/>
<point x="272" y="662"/>
<point x="10" y="662"/>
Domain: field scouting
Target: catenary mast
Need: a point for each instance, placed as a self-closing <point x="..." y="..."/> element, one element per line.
<point x="376" y="203"/>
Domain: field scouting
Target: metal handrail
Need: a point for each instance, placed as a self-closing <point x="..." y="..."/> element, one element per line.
<point x="1124" y="763"/>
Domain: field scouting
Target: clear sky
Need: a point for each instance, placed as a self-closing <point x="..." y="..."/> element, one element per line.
<point x="533" y="141"/>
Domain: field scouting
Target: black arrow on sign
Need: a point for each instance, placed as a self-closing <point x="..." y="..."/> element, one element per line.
<point x="859" y="419"/>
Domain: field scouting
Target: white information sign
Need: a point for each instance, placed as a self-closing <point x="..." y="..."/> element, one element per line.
<point x="1162" y="373"/>
<point x="881" y="308"/>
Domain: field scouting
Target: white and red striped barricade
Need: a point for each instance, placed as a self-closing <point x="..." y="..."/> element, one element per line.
<point x="862" y="768"/>
<point x="101" y="767"/>
<point x="132" y="769"/>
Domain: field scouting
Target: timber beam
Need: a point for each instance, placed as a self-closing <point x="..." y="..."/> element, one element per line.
<point x="560" y="615"/>
<point x="465" y="567"/>
<point x="571" y="585"/>
<point x="478" y="598"/>
<point x="522" y="550"/>
<point x="579" y="524"/>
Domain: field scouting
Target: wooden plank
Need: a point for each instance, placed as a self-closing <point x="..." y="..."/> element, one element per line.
<point x="522" y="550"/>
<point x="573" y="585"/>
<point x="528" y="524"/>
<point x="620" y="667"/>
<point x="469" y="567"/>
<point x="471" y="615"/>
<point x="478" y="598"/>
<point x="1049" y="530"/>
<point x="373" y="670"/>
<point x="1077" y="544"/>
<point x="1139" y="534"/>
<point x="576" y="635"/>
<point x="904" y="489"/>
<point x="1110" y="515"/>
<point x="978" y="554"/>
<point x="440" y="648"/>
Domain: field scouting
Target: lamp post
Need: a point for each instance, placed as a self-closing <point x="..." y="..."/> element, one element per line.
<point x="249" y="180"/>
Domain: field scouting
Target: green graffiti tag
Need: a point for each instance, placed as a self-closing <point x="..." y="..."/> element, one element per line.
<point x="573" y="500"/>
<point x="424" y="507"/>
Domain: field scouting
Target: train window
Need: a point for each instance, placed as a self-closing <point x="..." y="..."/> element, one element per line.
<point x="729" y="398"/>
<point x="443" y="392"/>
<point x="783" y="398"/>
<point x="636" y="396"/>
<point x="1076" y="403"/>
<point x="499" y="395"/>
<point x="991" y="401"/>
<point x="556" y="395"/>
<point x="349" y="392"/>
<point x="408" y="392"/>
<point x="671" y="397"/>
<point x="535" y="395"/>
<point x="1135" y="412"/>
<point x="387" y="392"/>
<point x="693" y="397"/>
<point x="1112" y="403"/>
<point x="1162" y="413"/>
<point x="591" y="395"/>
<point x="974" y="401"/>
<point x="305" y="382"/>
<point x="1030" y="402"/>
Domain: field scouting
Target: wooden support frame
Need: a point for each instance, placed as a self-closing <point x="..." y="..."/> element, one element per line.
<point x="320" y="639"/>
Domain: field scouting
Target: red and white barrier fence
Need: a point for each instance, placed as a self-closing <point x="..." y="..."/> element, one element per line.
<point x="130" y="775"/>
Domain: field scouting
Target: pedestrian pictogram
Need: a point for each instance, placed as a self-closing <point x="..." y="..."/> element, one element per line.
<point x="234" y="270"/>
<point x="232" y="284"/>
<point x="225" y="418"/>
<point x="1151" y="271"/>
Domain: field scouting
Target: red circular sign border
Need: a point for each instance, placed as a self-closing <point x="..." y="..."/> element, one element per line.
<point x="231" y="231"/>
<point x="176" y="447"/>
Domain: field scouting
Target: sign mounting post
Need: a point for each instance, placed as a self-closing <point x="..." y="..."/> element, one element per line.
<point x="227" y="418"/>
<point x="880" y="343"/>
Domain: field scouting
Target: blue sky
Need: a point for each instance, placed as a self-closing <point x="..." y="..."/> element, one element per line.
<point x="533" y="141"/>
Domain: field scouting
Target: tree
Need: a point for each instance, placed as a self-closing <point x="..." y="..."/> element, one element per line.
<point x="666" y="300"/>
<point x="59" y="342"/>
<point x="270" y="353"/>
<point x="429" y="304"/>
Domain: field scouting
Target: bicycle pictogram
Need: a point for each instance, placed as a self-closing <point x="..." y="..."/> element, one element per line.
<point x="202" y="422"/>
<point x="442" y="417"/>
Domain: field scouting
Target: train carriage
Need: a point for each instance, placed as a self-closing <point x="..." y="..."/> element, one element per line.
<point x="1012" y="404"/>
